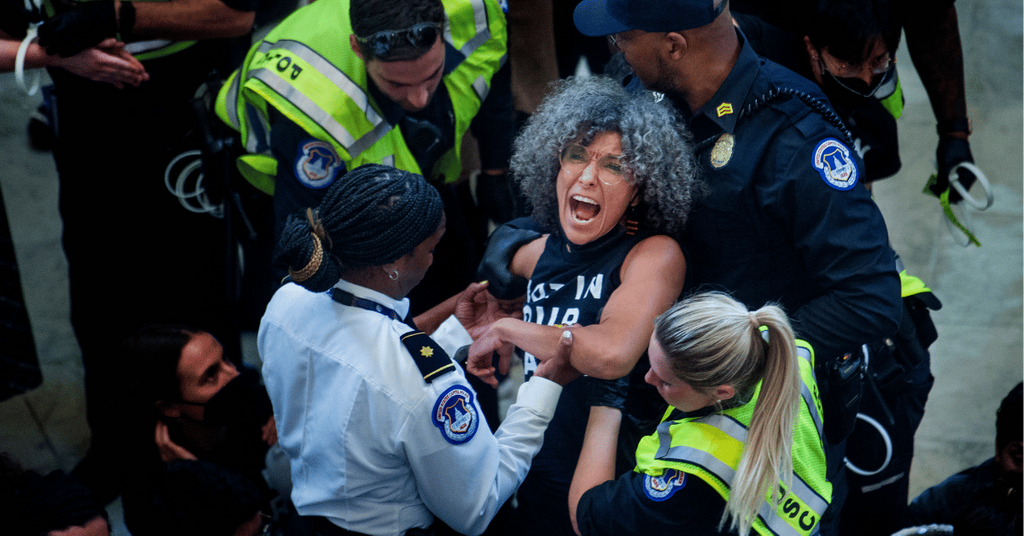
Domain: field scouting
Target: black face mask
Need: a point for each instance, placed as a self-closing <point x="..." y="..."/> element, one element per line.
<point x="858" y="88"/>
<point x="241" y="401"/>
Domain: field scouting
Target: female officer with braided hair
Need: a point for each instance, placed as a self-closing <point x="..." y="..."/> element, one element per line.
<point x="382" y="428"/>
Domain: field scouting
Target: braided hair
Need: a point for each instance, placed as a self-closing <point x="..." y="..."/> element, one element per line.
<point x="371" y="216"/>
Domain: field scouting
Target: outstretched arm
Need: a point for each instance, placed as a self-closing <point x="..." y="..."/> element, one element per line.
<point x="188" y="19"/>
<point x="106" y="62"/>
<point x="74" y="30"/>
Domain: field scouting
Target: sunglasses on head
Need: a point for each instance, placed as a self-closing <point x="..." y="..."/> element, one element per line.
<point x="384" y="44"/>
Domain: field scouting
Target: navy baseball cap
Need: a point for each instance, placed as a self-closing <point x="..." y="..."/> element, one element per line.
<point x="604" y="17"/>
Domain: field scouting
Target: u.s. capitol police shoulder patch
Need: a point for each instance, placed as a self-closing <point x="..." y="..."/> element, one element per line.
<point x="455" y="415"/>
<point x="837" y="167"/>
<point x="660" y="488"/>
<point x="317" y="164"/>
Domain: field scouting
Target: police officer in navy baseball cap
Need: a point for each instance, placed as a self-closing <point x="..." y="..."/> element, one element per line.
<point x="786" y="217"/>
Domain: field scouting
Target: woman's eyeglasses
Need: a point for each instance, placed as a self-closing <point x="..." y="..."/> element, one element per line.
<point x="609" y="167"/>
<point x="384" y="44"/>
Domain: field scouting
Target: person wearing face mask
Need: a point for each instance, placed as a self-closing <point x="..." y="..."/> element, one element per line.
<point x="849" y="50"/>
<point x="187" y="401"/>
<point x="933" y="40"/>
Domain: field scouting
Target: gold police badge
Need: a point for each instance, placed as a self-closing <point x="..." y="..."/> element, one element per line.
<point x="722" y="151"/>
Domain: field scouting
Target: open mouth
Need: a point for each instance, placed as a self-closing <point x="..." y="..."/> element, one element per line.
<point x="583" y="209"/>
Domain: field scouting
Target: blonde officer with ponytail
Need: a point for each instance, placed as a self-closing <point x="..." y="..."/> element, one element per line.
<point x="740" y="448"/>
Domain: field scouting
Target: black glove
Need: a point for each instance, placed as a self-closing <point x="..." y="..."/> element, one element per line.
<point x="609" y="393"/>
<point x="952" y="151"/>
<point x="501" y="247"/>
<point x="15" y="19"/>
<point x="75" y="30"/>
<point x="497" y="197"/>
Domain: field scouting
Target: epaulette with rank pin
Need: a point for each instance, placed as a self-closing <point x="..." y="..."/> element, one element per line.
<point x="432" y="360"/>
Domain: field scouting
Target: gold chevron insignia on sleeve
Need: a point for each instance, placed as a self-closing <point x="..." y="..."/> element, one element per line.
<point x="724" y="109"/>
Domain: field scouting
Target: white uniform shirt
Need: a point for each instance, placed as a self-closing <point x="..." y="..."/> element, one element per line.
<point x="368" y="439"/>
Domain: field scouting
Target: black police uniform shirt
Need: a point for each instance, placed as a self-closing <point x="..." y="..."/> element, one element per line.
<point x="786" y="218"/>
<point x="626" y="505"/>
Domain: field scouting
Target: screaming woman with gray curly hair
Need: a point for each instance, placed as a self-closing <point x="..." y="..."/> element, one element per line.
<point x="611" y="176"/>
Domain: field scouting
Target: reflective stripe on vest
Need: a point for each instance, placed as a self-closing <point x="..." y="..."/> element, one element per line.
<point x="156" y="48"/>
<point x="482" y="32"/>
<point x="721" y="438"/>
<point x="313" y="110"/>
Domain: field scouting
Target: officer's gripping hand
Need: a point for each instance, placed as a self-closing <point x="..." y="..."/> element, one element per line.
<point x="951" y="152"/>
<point x="77" y="29"/>
<point x="557" y="368"/>
<point x="502" y="245"/>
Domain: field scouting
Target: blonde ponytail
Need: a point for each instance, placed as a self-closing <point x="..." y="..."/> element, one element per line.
<point x="712" y="340"/>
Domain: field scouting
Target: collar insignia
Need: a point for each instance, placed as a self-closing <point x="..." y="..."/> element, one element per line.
<point x="724" y="109"/>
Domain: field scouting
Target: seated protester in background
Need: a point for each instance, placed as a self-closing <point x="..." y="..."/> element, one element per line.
<point x="180" y="45"/>
<point x="200" y="498"/>
<point x="53" y="505"/>
<point x="985" y="499"/>
<point x="383" y="431"/>
<point x="850" y="51"/>
<point x="741" y="446"/>
<point x="340" y="83"/>
<point x="187" y="401"/>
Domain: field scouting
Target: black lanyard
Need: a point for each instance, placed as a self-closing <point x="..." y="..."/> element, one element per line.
<point x="347" y="298"/>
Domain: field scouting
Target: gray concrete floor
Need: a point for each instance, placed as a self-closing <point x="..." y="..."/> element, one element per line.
<point x="976" y="360"/>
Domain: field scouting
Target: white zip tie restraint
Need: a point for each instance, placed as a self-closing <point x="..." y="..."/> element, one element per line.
<point x="19" y="61"/>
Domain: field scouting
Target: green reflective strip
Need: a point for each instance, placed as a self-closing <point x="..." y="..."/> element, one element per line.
<point x="231" y="101"/>
<point x="164" y="51"/>
<point x="910" y="285"/>
<point x="807" y="355"/>
<point x="481" y="29"/>
<point x="306" y="105"/>
<point x="333" y="74"/>
<point x="257" y="135"/>
<point x="480" y="87"/>
<point x="312" y="109"/>
<point x="894" y="103"/>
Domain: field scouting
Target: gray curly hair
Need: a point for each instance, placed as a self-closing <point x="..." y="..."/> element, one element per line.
<point x="656" y="150"/>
